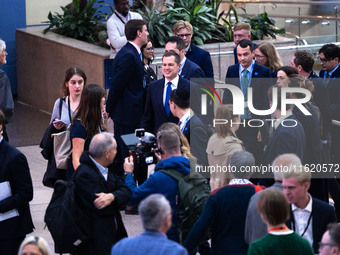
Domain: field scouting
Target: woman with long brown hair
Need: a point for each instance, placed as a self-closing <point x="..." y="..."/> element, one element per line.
<point x="87" y="122"/>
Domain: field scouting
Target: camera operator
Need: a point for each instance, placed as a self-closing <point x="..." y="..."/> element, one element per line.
<point x="169" y="152"/>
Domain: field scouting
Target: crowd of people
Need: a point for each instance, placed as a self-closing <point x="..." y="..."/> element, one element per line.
<point x="250" y="210"/>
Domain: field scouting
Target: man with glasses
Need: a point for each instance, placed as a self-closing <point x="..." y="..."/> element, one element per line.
<point x="330" y="242"/>
<point x="329" y="58"/>
<point x="197" y="55"/>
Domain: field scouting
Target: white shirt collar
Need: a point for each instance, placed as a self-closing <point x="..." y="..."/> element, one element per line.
<point x="1" y="138"/>
<point x="185" y="118"/>
<point x="136" y="46"/>
<point x="174" y="81"/>
<point x="308" y="208"/>
<point x="103" y="170"/>
<point x="249" y="68"/>
<point x="125" y="19"/>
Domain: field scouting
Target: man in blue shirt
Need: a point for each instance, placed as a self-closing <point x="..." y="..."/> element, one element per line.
<point x="155" y="213"/>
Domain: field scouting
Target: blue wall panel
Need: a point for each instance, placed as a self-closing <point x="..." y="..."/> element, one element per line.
<point x="12" y="16"/>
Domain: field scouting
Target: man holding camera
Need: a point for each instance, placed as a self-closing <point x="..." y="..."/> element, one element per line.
<point x="169" y="152"/>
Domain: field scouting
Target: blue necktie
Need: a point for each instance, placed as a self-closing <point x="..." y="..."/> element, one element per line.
<point x="141" y="56"/>
<point x="167" y="97"/>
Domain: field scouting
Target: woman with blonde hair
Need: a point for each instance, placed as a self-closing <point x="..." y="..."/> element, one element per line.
<point x="185" y="147"/>
<point x="34" y="245"/>
<point x="267" y="55"/>
<point x="222" y="145"/>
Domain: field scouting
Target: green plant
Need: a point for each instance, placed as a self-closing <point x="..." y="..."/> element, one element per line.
<point x="262" y="25"/>
<point x="157" y="26"/>
<point x="83" y="23"/>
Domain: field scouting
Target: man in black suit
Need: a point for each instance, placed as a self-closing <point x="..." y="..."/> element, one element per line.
<point x="191" y="126"/>
<point x="248" y="74"/>
<point x="309" y="216"/>
<point x="157" y="108"/>
<point x="303" y="61"/>
<point x="124" y="103"/>
<point x="288" y="137"/>
<point x="15" y="179"/>
<point x="102" y="195"/>
<point x="184" y="30"/>
<point x="188" y="68"/>
<point x="329" y="58"/>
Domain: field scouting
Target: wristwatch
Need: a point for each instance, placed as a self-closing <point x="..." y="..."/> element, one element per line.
<point x="127" y="173"/>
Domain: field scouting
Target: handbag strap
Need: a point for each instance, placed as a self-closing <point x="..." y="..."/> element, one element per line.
<point x="60" y="106"/>
<point x="69" y="108"/>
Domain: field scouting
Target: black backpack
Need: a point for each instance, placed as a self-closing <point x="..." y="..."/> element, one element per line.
<point x="193" y="192"/>
<point x="67" y="223"/>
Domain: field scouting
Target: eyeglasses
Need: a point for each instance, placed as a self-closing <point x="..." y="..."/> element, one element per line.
<point x="151" y="48"/>
<point x="184" y="35"/>
<point x="258" y="56"/>
<point x="321" y="244"/>
<point x="323" y="60"/>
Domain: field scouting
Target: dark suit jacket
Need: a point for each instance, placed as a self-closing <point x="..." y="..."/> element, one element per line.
<point x="334" y="93"/>
<point x="260" y="82"/>
<point x="323" y="214"/>
<point x="107" y="224"/>
<point x="124" y="103"/>
<point x="191" y="70"/>
<point x="284" y="140"/>
<point x="197" y="136"/>
<point x="154" y="114"/>
<point x="14" y="169"/>
<point x="321" y="98"/>
<point x="202" y="59"/>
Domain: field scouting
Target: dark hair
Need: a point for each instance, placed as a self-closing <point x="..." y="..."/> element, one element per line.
<point x="89" y="111"/>
<point x="330" y="50"/>
<point x="305" y="59"/>
<point x="143" y="47"/>
<point x="180" y="44"/>
<point x="181" y="97"/>
<point x="172" y="54"/>
<point x="288" y="70"/>
<point x="2" y="118"/>
<point x="334" y="233"/>
<point x="273" y="206"/>
<point x="74" y="70"/>
<point x="131" y="28"/>
<point x="244" y="43"/>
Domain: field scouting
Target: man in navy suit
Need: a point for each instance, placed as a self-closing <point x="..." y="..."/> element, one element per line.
<point x="15" y="178"/>
<point x="155" y="213"/>
<point x="157" y="108"/>
<point x="329" y="58"/>
<point x="309" y="216"/>
<point x="124" y="103"/>
<point x="191" y="126"/>
<point x="188" y="68"/>
<point x="184" y="30"/>
<point x="247" y="74"/>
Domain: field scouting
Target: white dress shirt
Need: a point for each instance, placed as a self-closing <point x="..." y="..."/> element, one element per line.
<point x="301" y="217"/>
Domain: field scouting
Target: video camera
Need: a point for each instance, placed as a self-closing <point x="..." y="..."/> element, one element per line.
<point x="142" y="145"/>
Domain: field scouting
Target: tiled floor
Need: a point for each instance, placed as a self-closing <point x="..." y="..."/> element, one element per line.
<point x="25" y="132"/>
